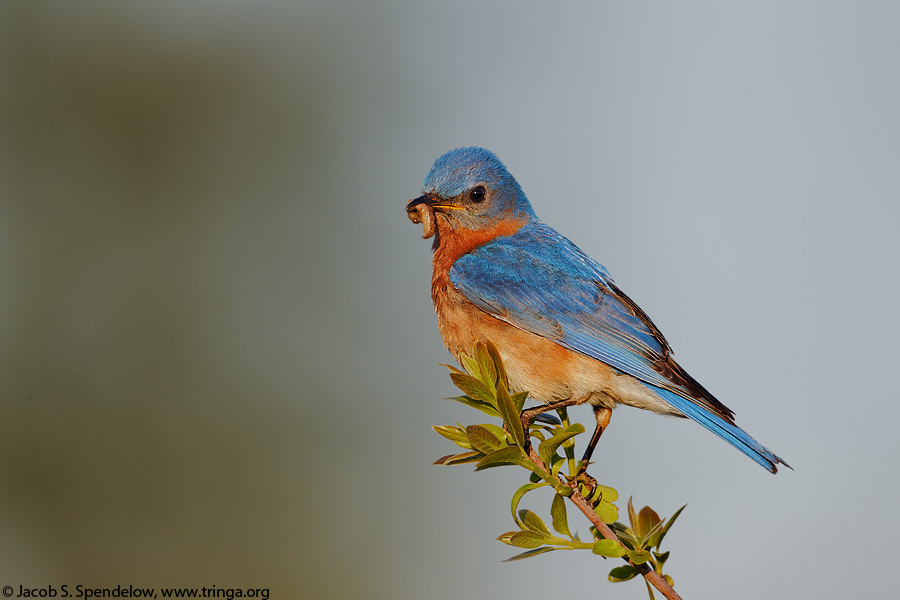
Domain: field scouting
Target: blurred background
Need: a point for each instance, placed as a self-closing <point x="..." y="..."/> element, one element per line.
<point x="218" y="355"/>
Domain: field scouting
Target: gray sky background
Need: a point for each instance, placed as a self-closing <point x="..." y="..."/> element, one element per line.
<point x="218" y="356"/>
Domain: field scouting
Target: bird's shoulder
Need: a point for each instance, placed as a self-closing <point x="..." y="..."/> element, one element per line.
<point x="537" y="252"/>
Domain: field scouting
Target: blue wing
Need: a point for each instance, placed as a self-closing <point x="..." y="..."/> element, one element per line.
<point x="539" y="281"/>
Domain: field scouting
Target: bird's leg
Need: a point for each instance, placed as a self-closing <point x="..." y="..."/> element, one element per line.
<point x="602" y="416"/>
<point x="529" y="415"/>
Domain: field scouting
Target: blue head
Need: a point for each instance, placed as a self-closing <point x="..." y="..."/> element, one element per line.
<point x="470" y="189"/>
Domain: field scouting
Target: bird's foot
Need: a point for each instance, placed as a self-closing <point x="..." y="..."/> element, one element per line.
<point x="585" y="484"/>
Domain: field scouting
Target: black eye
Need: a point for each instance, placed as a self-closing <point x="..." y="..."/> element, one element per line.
<point x="478" y="194"/>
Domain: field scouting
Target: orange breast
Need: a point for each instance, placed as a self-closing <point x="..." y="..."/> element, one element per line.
<point x="534" y="363"/>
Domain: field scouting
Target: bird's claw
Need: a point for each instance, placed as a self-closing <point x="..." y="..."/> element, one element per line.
<point x="585" y="484"/>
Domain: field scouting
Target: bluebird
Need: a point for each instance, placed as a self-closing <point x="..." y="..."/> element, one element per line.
<point x="565" y="331"/>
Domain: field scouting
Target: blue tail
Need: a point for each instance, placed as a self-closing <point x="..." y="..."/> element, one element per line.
<point x="732" y="434"/>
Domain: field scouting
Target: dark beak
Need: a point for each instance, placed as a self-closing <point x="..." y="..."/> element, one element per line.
<point x="423" y="199"/>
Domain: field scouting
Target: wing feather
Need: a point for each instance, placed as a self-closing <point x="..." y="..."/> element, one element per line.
<point x="539" y="281"/>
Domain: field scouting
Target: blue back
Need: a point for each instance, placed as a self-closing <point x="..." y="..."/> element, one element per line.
<point x="512" y="277"/>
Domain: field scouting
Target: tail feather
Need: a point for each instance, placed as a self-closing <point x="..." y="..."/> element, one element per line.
<point x="729" y="432"/>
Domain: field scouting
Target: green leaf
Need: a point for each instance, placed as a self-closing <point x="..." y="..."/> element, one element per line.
<point x="459" y="459"/>
<point x="454" y="434"/>
<point x="483" y="440"/>
<point x="528" y="539"/>
<point x="556" y="463"/>
<point x="665" y="529"/>
<point x="512" y="418"/>
<point x="519" y="400"/>
<point x="625" y="535"/>
<point x="608" y="548"/>
<point x="451" y="367"/>
<point x="558" y="514"/>
<point x="607" y="493"/>
<point x="534" y="477"/>
<point x="638" y="557"/>
<point x="623" y="573"/>
<point x="563" y="490"/>
<point x="607" y="512"/>
<point x="498" y="363"/>
<point x="505" y="537"/>
<point x="548" y="448"/>
<point x="473" y="388"/>
<point x="533" y="522"/>
<point x="484" y="407"/>
<point x="470" y="365"/>
<point x="646" y="520"/>
<point x="661" y="558"/>
<point x="485" y="364"/>
<point x="632" y="516"/>
<point x="619" y="528"/>
<point x="545" y="454"/>
<point x="517" y="497"/>
<point x="511" y="455"/>
<point x="530" y="553"/>
<point x="496" y="430"/>
<point x="651" y="538"/>
<point x="574" y="428"/>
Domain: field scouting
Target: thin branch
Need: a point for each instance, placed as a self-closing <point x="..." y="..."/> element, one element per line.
<point x="655" y="579"/>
